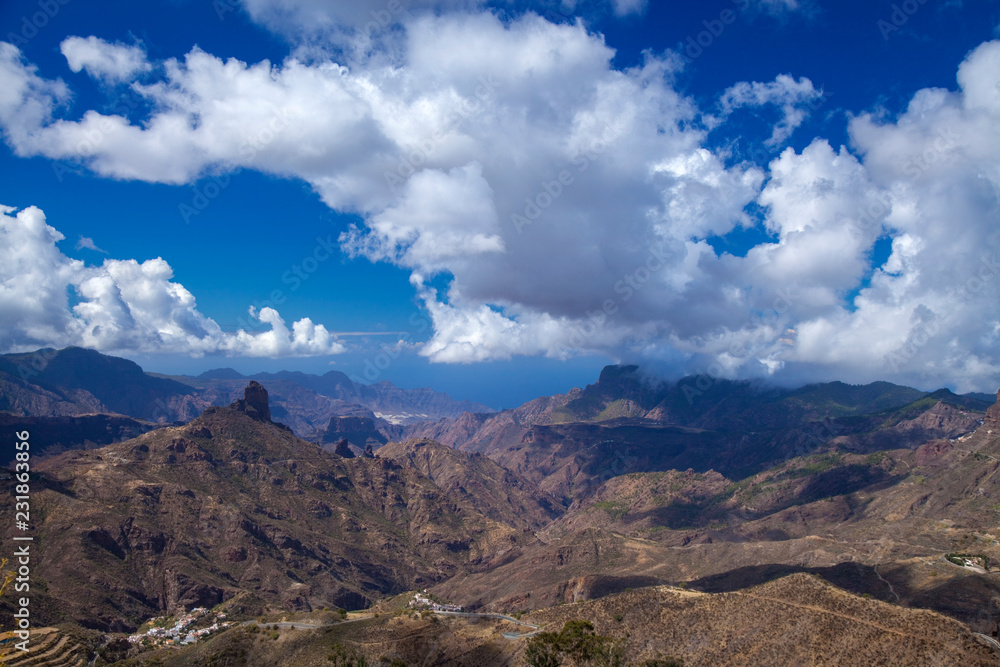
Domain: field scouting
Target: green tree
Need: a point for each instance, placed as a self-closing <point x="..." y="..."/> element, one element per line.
<point x="543" y="650"/>
<point x="609" y="653"/>
<point x="341" y="656"/>
<point x="577" y="641"/>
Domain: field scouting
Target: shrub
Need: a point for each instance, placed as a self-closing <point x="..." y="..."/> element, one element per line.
<point x="341" y="656"/>
<point x="576" y="641"/>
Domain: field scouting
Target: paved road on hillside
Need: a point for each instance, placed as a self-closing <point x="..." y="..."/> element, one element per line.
<point x="992" y="642"/>
<point x="504" y="617"/>
<point x="303" y="626"/>
<point x="466" y="614"/>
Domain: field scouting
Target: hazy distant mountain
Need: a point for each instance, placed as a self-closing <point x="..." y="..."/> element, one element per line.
<point x="395" y="404"/>
<point x="627" y="422"/>
<point x="75" y="381"/>
<point x="307" y="402"/>
<point x="222" y="374"/>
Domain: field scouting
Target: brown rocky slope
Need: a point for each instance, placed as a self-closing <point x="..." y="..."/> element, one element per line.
<point x="796" y="620"/>
<point x="875" y="523"/>
<point x="232" y="502"/>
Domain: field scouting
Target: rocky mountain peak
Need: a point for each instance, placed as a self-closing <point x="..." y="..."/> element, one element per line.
<point x="344" y="449"/>
<point x="993" y="414"/>
<point x="254" y="402"/>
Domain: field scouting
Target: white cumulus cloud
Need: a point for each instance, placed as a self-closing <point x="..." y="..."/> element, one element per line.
<point x="103" y="60"/>
<point x="793" y="98"/>
<point x="121" y="305"/>
<point x="88" y="243"/>
<point x="570" y="206"/>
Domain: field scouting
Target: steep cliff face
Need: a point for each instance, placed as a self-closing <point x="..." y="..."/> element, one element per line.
<point x="993" y="414"/>
<point x="359" y="431"/>
<point x="78" y="381"/>
<point x="254" y="403"/>
<point x="494" y="491"/>
<point x="53" y="435"/>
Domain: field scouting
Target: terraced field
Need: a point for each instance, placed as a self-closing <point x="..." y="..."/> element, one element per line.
<point x="48" y="647"/>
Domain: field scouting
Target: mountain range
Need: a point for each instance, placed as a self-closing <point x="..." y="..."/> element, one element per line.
<point x="76" y="382"/>
<point x="707" y="504"/>
<point x="192" y="515"/>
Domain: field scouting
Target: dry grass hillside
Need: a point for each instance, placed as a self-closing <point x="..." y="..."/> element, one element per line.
<point x="872" y="523"/>
<point x="797" y="620"/>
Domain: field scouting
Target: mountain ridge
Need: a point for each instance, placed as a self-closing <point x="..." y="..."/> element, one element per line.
<point x="78" y="381"/>
<point x="233" y="508"/>
<point x="191" y="515"/>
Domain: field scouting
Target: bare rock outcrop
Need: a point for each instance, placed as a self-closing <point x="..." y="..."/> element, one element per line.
<point x="343" y="448"/>
<point x="254" y="403"/>
<point x="993" y="414"/>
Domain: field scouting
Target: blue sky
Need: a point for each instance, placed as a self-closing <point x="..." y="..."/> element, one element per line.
<point x="790" y="189"/>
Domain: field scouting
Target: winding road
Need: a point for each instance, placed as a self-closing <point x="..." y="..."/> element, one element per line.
<point x="989" y="640"/>
<point x="886" y="582"/>
<point x="466" y="614"/>
<point x="503" y="617"/>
